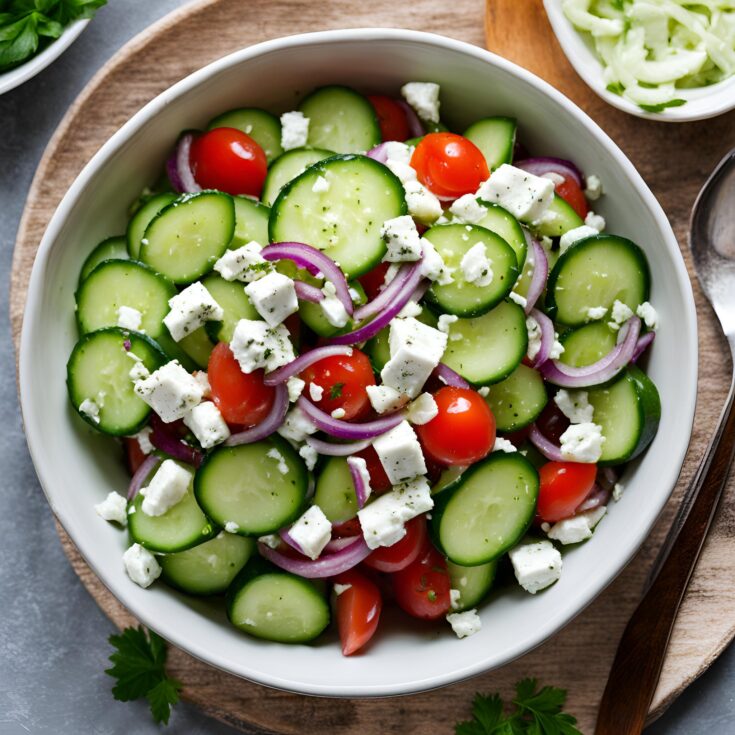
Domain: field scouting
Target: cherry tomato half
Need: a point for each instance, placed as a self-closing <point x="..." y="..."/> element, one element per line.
<point x="564" y="486"/>
<point x="241" y="398"/>
<point x="134" y="455"/>
<point x="404" y="552"/>
<point x="358" y="611"/>
<point x="422" y="588"/>
<point x="373" y="280"/>
<point x="391" y="118"/>
<point x="449" y="165"/>
<point x="343" y="379"/>
<point x="228" y="160"/>
<point x="570" y="191"/>
<point x="463" y="431"/>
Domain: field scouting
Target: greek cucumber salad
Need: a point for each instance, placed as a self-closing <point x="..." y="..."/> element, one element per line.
<point x="355" y="359"/>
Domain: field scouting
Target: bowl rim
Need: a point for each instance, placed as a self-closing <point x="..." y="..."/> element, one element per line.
<point x="33" y="412"/>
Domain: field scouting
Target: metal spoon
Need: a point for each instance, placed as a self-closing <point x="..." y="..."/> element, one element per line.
<point x="640" y="655"/>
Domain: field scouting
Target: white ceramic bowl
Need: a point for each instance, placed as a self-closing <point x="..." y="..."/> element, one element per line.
<point x="11" y="79"/>
<point x="702" y="102"/>
<point x="77" y="467"/>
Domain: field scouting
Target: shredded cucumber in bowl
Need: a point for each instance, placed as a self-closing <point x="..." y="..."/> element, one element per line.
<point x="652" y="48"/>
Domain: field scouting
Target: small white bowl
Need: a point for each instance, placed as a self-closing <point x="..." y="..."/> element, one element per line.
<point x="77" y="466"/>
<point x="11" y="79"/>
<point x="702" y="102"/>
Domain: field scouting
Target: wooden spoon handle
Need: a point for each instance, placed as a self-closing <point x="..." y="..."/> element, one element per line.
<point x="640" y="655"/>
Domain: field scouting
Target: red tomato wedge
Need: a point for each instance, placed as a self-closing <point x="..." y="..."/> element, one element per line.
<point x="564" y="486"/>
<point x="358" y="611"/>
<point x="391" y="118"/>
<point x="570" y="191"/>
<point x="405" y="552"/>
<point x="422" y="588"/>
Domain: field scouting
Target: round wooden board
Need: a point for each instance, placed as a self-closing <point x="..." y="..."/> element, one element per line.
<point x="675" y="161"/>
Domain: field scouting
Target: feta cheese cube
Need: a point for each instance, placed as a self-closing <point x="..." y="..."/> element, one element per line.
<point x="424" y="98"/>
<point x="649" y="315"/>
<point x="423" y="410"/>
<point x="503" y="445"/>
<point x="141" y="566"/>
<point x="207" y="424"/>
<point x="167" y="488"/>
<point x="522" y="301"/>
<point x="294" y="130"/>
<point x="320" y="185"/>
<point x="400" y="453"/>
<point x="620" y="314"/>
<point x="596" y="221"/>
<point x="433" y="266"/>
<point x="359" y="465"/>
<point x="577" y="528"/>
<point x="311" y="532"/>
<point x="476" y="267"/>
<point x="596" y="312"/>
<point x="309" y="455"/>
<point x="582" y="443"/>
<point x="402" y="239"/>
<point x="332" y="308"/>
<point x="384" y="399"/>
<point x="296" y="426"/>
<point x="274" y="297"/>
<point x="91" y="409"/>
<point x="525" y="196"/>
<point x="295" y="387"/>
<point x="575" y="405"/>
<point x="465" y="624"/>
<point x="467" y="210"/>
<point x="113" y="508"/>
<point x="534" y="337"/>
<point x="578" y="233"/>
<point x="129" y="318"/>
<point x="421" y="203"/>
<point x="190" y="309"/>
<point x="256" y="345"/>
<point x="143" y="437"/>
<point x="244" y="264"/>
<point x="593" y="190"/>
<point x="536" y="565"/>
<point x="170" y="391"/>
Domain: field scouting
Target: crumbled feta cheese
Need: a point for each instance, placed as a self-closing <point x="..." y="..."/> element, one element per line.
<point x="341" y="588"/>
<point x="525" y="196"/>
<point x="466" y="623"/>
<point x="360" y="466"/>
<point x="294" y="130"/>
<point x="534" y="337"/>
<point x="332" y="308"/>
<point x="113" y="508"/>
<point x="139" y="372"/>
<point x="402" y="170"/>
<point x="129" y="318"/>
<point x="476" y="267"/>
<point x="244" y="264"/>
<point x="445" y="324"/>
<point x="309" y="455"/>
<point x="320" y="185"/>
<point x="207" y="424"/>
<point x="295" y="387"/>
<point x="400" y="453"/>
<point x="595" y="221"/>
<point x="422" y="204"/>
<point x="316" y="392"/>
<point x="190" y="309"/>
<point x="297" y="425"/>
<point x="338" y="413"/>
<point x="410" y="309"/>
<point x="596" y="312"/>
<point x="384" y="399"/>
<point x="593" y="190"/>
<point x="649" y="315"/>
<point x="575" y="405"/>
<point x="454" y="597"/>
<point x="271" y="540"/>
<point x="467" y="210"/>
<point x="256" y="345"/>
<point x="503" y="445"/>
<point x="424" y="98"/>
<point x="620" y="314"/>
<point x="202" y="378"/>
<point x="536" y="565"/>
<point x="90" y="409"/>
<point x="577" y="528"/>
<point x="554" y="177"/>
<point x="311" y="532"/>
<point x="433" y="267"/>
<point x="522" y="301"/>
<point x="578" y="233"/>
<point x="423" y="410"/>
<point x="396" y="151"/>
<point x="232" y="527"/>
<point x="275" y="454"/>
<point x="557" y="348"/>
<point x="402" y="239"/>
<point x="484" y="391"/>
<point x="170" y="391"/>
<point x="274" y="297"/>
<point x="143" y="437"/>
<point x="166" y="488"/>
<point x="617" y="492"/>
<point x="582" y="443"/>
<point x="141" y="566"/>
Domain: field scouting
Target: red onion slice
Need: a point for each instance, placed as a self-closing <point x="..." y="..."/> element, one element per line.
<point x="379" y="153"/>
<point x="449" y="376"/>
<point x="141" y="475"/>
<point x="337" y="544"/>
<point x="282" y="374"/>
<point x="606" y="477"/>
<point x="344" y="429"/>
<point x="330" y="449"/>
<point x="178" y="167"/>
<point x="550" y="450"/>
<point x="307" y="292"/>
<point x="361" y="489"/>
<point x="642" y="345"/>
<point x="327" y="565"/>
<point x="601" y="371"/>
<point x="286" y="536"/>
<point x="545" y="165"/>
<point x="540" y="272"/>
<point x="388" y="293"/>
<point x="163" y="438"/>
<point x="415" y="126"/>
<point x="547" y="337"/>
<point x="269" y="424"/>
<point x="598" y="496"/>
<point x="314" y="261"/>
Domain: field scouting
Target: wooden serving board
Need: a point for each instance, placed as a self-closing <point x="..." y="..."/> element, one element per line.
<point x="674" y="159"/>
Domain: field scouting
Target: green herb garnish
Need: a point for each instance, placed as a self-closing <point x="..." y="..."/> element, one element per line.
<point x="661" y="107"/>
<point x="336" y="390"/>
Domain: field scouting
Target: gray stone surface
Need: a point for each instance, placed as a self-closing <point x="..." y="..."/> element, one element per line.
<point x="53" y="638"/>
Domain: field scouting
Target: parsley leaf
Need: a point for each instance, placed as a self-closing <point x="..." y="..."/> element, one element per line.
<point x="336" y="390"/>
<point x="139" y="665"/>
<point x="615" y="88"/>
<point x="661" y="107"/>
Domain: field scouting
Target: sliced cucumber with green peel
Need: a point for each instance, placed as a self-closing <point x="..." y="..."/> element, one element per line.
<point x="142" y="218"/>
<point x="335" y="491"/>
<point x="487" y="511"/>
<point x="587" y="344"/>
<point x="378" y="348"/>
<point x="198" y="346"/>
<point x="490" y="347"/>
<point x="187" y="238"/>
<point x="472" y="583"/>
<point x="503" y="223"/>
<point x="116" y="283"/>
<point x="495" y="137"/>
<point x="518" y="400"/>
<point x="628" y="410"/>
<point x="465" y="299"/>
<point x="313" y="316"/>
<point x="340" y="120"/>
<point x="251" y="222"/>
<point x="448" y="477"/>
<point x="244" y="485"/>
<point x="263" y="127"/>
<point x="345" y="221"/>
<point x="208" y="568"/>
<point x="565" y="219"/>
<point x="276" y="606"/>
<point x="597" y="271"/>
<point x="231" y="296"/>
<point x="99" y="370"/>
<point x="287" y="167"/>
<point x="113" y="248"/>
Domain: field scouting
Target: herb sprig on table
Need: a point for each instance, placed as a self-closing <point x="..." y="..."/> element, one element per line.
<point x="28" y="26"/>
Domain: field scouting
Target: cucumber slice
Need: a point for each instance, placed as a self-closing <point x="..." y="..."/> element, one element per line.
<point x="263" y="127"/>
<point x="448" y="477"/>
<point x="116" y="283"/>
<point x="495" y="137"/>
<point x="628" y="411"/>
<point x="208" y="568"/>
<point x="251" y="222"/>
<point x="335" y="491"/>
<point x="346" y="220"/>
<point x="276" y="606"/>
<point x="178" y="529"/>
<point x="198" y="346"/>
<point x="490" y="347"/>
<point x="595" y="272"/>
<point x="587" y="344"/>
<point x="243" y="485"/>
<point x="99" y="370"/>
<point x="487" y="511"/>
<point x="113" y="248"/>
<point x="313" y="317"/>
<point x="378" y="349"/>
<point x="473" y="583"/>
<point x="142" y="218"/>
<point x="466" y="299"/>
<point x="518" y="400"/>
<point x="566" y="219"/>
<point x="341" y="120"/>
<point x="287" y="167"/>
<point x="187" y="238"/>
<point x="503" y="223"/>
<point x="231" y="296"/>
